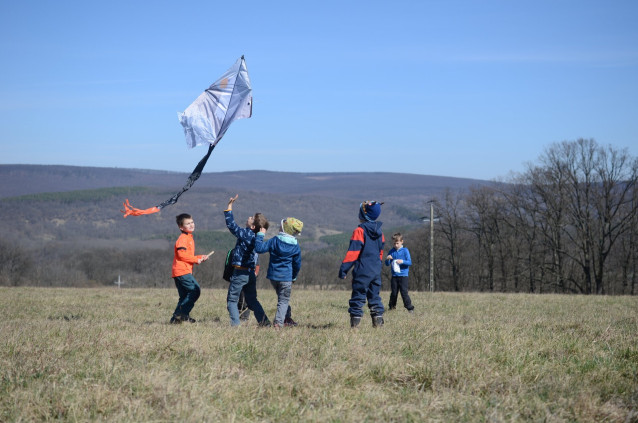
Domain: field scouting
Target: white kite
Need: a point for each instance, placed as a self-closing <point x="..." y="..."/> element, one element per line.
<point x="206" y="120"/>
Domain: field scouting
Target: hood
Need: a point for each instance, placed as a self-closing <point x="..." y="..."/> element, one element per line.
<point x="372" y="229"/>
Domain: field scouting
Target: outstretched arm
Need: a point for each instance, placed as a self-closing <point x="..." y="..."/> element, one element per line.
<point x="231" y="201"/>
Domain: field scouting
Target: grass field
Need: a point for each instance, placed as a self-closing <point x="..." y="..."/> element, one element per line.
<point x="109" y="355"/>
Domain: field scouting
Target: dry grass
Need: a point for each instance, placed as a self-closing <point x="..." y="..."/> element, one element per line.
<point x="109" y="355"/>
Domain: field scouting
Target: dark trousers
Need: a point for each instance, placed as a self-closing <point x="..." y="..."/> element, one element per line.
<point x="400" y="284"/>
<point x="189" y="291"/>
<point x="363" y="290"/>
<point x="242" y="307"/>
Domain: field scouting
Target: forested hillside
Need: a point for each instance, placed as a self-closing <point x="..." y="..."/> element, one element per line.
<point x="568" y="224"/>
<point x="69" y="229"/>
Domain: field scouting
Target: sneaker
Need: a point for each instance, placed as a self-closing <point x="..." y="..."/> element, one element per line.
<point x="289" y="322"/>
<point x="391" y="307"/>
<point x="175" y="320"/>
<point x="354" y="321"/>
<point x="277" y="326"/>
<point x="189" y="319"/>
<point x="411" y="311"/>
<point x="377" y="321"/>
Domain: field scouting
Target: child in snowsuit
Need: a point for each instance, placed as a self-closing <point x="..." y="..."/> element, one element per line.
<point x="365" y="253"/>
<point x="399" y="258"/>
<point x="182" y="272"/>
<point x="284" y="266"/>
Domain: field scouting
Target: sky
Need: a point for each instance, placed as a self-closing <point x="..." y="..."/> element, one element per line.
<point x="472" y="89"/>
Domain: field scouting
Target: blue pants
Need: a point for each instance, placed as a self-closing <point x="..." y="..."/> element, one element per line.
<point x="283" y="300"/>
<point x="189" y="291"/>
<point x="246" y="280"/>
<point x="366" y="290"/>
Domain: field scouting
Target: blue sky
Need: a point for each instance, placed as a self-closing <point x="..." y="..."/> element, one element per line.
<point x="452" y="88"/>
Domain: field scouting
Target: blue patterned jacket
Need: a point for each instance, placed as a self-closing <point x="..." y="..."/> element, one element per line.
<point x="244" y="254"/>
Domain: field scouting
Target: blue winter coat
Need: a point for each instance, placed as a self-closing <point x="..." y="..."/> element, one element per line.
<point x="285" y="256"/>
<point x="365" y="253"/>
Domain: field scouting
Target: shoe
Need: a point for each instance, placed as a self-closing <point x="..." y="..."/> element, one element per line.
<point x="289" y="322"/>
<point x="175" y="320"/>
<point x="265" y="323"/>
<point x="354" y="321"/>
<point x="411" y="311"/>
<point x="391" y="308"/>
<point x="377" y="321"/>
<point x="189" y="319"/>
<point x="277" y="326"/>
<point x="244" y="315"/>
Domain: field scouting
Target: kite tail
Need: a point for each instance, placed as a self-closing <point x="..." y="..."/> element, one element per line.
<point x="132" y="211"/>
<point x="197" y="172"/>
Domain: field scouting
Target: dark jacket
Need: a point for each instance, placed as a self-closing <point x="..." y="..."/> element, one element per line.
<point x="285" y="256"/>
<point x="243" y="254"/>
<point x="365" y="252"/>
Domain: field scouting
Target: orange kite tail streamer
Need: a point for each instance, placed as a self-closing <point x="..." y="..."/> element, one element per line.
<point x="132" y="211"/>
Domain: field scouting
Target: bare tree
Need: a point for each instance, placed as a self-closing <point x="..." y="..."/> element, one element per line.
<point x="450" y="211"/>
<point x="14" y="263"/>
<point x="595" y="186"/>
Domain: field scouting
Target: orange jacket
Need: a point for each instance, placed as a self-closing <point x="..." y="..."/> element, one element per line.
<point x="184" y="255"/>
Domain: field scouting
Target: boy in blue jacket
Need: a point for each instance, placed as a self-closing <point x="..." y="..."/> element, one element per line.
<point x="365" y="253"/>
<point x="244" y="263"/>
<point x="399" y="258"/>
<point x="284" y="266"/>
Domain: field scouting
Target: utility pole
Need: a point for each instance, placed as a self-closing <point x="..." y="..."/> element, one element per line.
<point x="431" y="246"/>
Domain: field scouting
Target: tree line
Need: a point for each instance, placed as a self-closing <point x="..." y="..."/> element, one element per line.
<point x="567" y="224"/>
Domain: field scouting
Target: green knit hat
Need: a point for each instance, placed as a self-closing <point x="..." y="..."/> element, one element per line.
<point x="292" y="226"/>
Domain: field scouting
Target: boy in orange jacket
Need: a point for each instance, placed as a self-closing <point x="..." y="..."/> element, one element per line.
<point x="183" y="262"/>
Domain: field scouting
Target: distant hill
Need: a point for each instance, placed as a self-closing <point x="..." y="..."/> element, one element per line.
<point x="64" y="225"/>
<point x="16" y="180"/>
<point x="81" y="204"/>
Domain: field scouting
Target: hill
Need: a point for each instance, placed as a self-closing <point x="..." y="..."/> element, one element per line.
<point x="66" y="226"/>
<point x="62" y="202"/>
<point x="16" y="180"/>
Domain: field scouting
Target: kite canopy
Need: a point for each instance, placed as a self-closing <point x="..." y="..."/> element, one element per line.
<point x="210" y="115"/>
<point x="206" y="121"/>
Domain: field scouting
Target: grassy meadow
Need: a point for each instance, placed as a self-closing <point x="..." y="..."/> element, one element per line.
<point x="110" y="355"/>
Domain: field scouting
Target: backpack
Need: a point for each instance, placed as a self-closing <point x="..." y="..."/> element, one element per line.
<point x="228" y="265"/>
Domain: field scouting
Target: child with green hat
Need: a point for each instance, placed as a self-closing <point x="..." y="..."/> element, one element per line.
<point x="284" y="266"/>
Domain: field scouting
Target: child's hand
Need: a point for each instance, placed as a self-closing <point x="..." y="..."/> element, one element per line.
<point x="201" y="259"/>
<point x="231" y="201"/>
<point x="399" y="261"/>
<point x="389" y="257"/>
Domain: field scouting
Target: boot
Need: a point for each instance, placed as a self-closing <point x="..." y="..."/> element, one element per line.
<point x="289" y="322"/>
<point x="354" y="321"/>
<point x="265" y="323"/>
<point x="377" y="320"/>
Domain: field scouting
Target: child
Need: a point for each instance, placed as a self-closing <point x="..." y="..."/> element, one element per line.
<point x="183" y="261"/>
<point x="365" y="253"/>
<point x="243" y="261"/>
<point x="399" y="258"/>
<point x="284" y="266"/>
